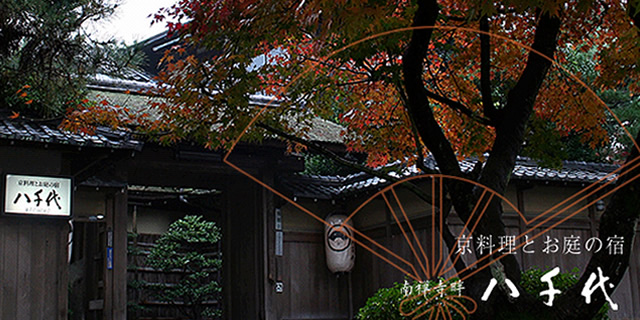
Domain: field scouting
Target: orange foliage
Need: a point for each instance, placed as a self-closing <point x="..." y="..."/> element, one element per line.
<point x="308" y="74"/>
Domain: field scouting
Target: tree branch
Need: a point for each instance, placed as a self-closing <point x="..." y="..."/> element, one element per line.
<point x="510" y="133"/>
<point x="485" y="70"/>
<point x="341" y="67"/>
<point x="416" y="137"/>
<point x="510" y="130"/>
<point x="350" y="83"/>
<point x="634" y="13"/>
<point x="455" y="105"/>
<point x="335" y="157"/>
<point x="324" y="151"/>
<point x="417" y="97"/>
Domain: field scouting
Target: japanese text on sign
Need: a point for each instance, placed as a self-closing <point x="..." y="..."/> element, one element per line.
<point x="37" y="195"/>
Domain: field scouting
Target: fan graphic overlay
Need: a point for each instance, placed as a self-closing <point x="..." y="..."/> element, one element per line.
<point x="435" y="264"/>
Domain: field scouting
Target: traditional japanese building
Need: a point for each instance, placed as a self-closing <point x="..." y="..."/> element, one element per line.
<point x="124" y="192"/>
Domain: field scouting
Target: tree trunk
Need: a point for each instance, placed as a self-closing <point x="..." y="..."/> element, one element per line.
<point x="619" y="219"/>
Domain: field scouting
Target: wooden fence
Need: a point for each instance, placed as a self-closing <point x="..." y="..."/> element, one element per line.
<point x="143" y="281"/>
<point x="312" y="292"/>
<point x="33" y="268"/>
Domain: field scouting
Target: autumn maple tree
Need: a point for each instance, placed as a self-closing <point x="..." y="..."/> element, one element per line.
<point x="407" y="79"/>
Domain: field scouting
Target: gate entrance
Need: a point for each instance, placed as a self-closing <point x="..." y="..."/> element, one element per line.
<point x="87" y="267"/>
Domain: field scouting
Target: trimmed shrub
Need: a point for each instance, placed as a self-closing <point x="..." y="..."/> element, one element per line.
<point x="186" y="249"/>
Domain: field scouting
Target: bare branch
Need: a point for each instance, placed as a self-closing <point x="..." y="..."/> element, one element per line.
<point x="455" y="105"/>
<point x="341" y="67"/>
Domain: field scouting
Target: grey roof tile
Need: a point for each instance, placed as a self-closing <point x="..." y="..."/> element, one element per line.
<point x="329" y="187"/>
<point x="46" y="133"/>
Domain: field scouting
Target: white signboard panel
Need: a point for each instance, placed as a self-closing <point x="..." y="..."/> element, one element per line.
<point x="33" y="195"/>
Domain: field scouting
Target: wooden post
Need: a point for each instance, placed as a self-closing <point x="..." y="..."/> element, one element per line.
<point x="271" y="263"/>
<point x="242" y="258"/>
<point x="136" y="271"/>
<point x="115" y="279"/>
<point x="102" y="247"/>
<point x="119" y="271"/>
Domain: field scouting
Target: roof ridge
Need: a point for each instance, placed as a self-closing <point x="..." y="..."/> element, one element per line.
<point x="580" y="172"/>
<point x="32" y="131"/>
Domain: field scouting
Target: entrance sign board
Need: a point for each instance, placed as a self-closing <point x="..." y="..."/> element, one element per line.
<point x="37" y="195"/>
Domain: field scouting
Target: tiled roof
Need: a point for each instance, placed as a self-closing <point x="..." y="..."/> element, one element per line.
<point x="318" y="187"/>
<point x="133" y="81"/>
<point x="319" y="130"/>
<point x="571" y="171"/>
<point x="171" y="190"/>
<point x="325" y="131"/>
<point x="330" y="187"/>
<point x="101" y="182"/>
<point x="45" y="133"/>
